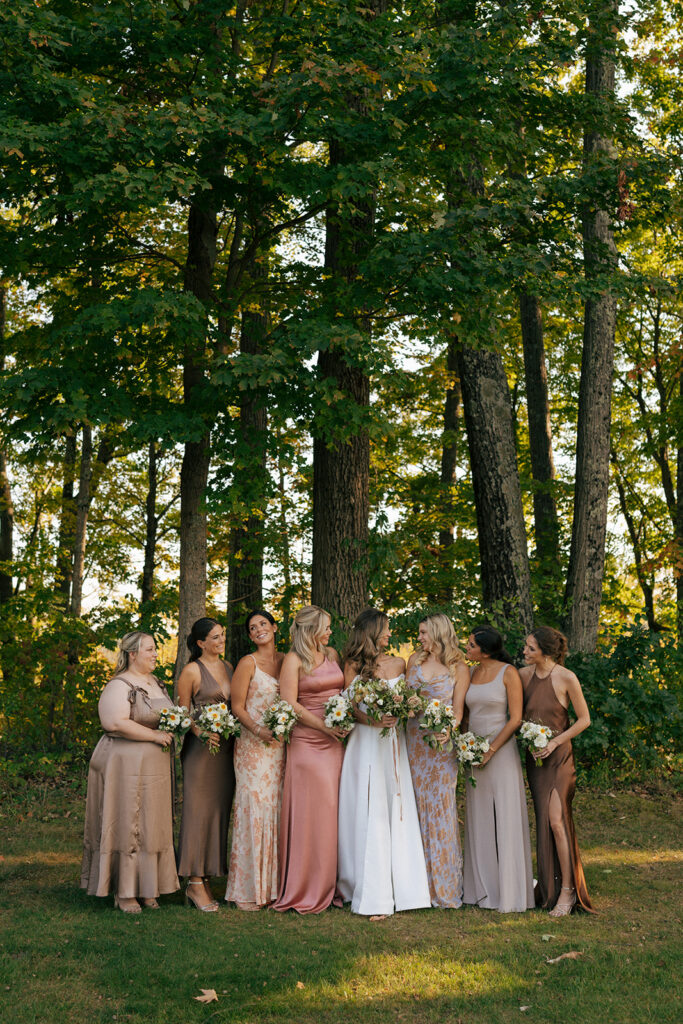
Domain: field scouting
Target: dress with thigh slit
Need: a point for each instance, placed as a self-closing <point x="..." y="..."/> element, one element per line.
<point x="557" y="773"/>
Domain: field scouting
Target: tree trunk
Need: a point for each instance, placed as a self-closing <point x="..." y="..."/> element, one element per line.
<point x="67" y="525"/>
<point x="443" y="592"/>
<point x="500" y="523"/>
<point x="546" y="527"/>
<point x="194" y="474"/>
<point x="147" y="587"/>
<point x="341" y="464"/>
<point x="678" y="535"/>
<point x="6" y="507"/>
<point x="634" y="535"/>
<point x="82" y="508"/>
<point x="245" y="581"/>
<point x="587" y="555"/>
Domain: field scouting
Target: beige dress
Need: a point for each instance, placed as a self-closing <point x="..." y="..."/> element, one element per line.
<point x="128" y="838"/>
<point x="259" y="772"/>
<point x="497" y="870"/>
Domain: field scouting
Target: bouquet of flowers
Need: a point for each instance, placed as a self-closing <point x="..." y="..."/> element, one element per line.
<point x="339" y="714"/>
<point x="438" y="718"/>
<point x="470" y="750"/>
<point x="535" y="737"/>
<point x="175" y="720"/>
<point x="217" y="718"/>
<point x="280" y="718"/>
<point x="381" y="698"/>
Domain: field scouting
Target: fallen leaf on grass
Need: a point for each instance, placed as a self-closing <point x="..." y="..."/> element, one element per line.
<point x="208" y="996"/>
<point x="300" y="984"/>
<point x="547" y="937"/>
<point x="523" y="1009"/>
<point x="573" y="954"/>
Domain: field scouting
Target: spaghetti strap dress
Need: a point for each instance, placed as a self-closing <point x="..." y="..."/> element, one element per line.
<point x="253" y="872"/>
<point x="208" y="788"/>
<point x="128" y="835"/>
<point x="557" y="774"/>
<point x="308" y="822"/>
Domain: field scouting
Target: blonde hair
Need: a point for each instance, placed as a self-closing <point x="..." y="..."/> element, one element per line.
<point x="128" y="644"/>
<point x="444" y="642"/>
<point x="361" y="649"/>
<point x="309" y="623"/>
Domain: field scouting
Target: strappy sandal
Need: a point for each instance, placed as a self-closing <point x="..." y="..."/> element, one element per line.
<point x="132" y="908"/>
<point x="206" y="908"/>
<point x="562" y="909"/>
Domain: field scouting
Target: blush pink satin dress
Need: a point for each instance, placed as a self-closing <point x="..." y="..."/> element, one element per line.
<point x="308" y="822"/>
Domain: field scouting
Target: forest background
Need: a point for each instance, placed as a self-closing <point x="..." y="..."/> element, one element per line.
<point x="346" y="303"/>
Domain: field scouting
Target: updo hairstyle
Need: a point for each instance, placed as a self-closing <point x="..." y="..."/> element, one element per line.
<point x="128" y="644"/>
<point x="200" y="630"/>
<point x="491" y="642"/>
<point x="552" y="643"/>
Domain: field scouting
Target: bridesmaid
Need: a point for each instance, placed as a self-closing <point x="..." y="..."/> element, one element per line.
<point x="208" y="778"/>
<point x="497" y="871"/>
<point x="259" y="771"/>
<point x="381" y="861"/>
<point x="549" y="689"/>
<point x="310" y="675"/>
<point x="128" y="838"/>
<point x="438" y="670"/>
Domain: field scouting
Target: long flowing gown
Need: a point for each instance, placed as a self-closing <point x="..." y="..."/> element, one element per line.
<point x="497" y="870"/>
<point x="557" y="774"/>
<point x="381" y="861"/>
<point x="308" y="821"/>
<point x="435" y="778"/>
<point x="253" y="872"/>
<point x="128" y="836"/>
<point x="208" y="788"/>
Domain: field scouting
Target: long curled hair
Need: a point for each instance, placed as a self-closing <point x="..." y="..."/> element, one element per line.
<point x="445" y="646"/>
<point x="552" y="643"/>
<point x="309" y="623"/>
<point x="200" y="630"/>
<point x="362" y="650"/>
<point x="128" y="644"/>
<point x="491" y="642"/>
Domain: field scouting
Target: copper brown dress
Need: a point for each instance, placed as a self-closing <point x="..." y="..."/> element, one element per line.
<point x="557" y="773"/>
<point x="128" y="836"/>
<point x="208" y="788"/>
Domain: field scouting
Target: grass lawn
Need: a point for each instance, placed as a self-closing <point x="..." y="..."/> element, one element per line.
<point x="66" y="958"/>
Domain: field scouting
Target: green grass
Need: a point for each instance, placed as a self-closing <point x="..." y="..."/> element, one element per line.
<point x="71" y="959"/>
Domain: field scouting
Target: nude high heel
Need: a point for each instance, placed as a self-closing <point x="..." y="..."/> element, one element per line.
<point x="207" y="908"/>
<point x="562" y="909"/>
<point x="135" y="908"/>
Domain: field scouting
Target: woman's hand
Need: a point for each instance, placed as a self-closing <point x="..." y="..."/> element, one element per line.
<point x="267" y="737"/>
<point x="487" y="757"/>
<point x="442" y="738"/>
<point x="386" y="722"/>
<point x="335" y="731"/>
<point x="164" y="739"/>
<point x="547" y="751"/>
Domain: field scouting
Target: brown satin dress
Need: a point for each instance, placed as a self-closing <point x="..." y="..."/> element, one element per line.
<point x="128" y="836"/>
<point x="208" y="789"/>
<point x="557" y="773"/>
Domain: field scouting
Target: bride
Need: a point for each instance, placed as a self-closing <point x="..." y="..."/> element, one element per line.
<point x="381" y="861"/>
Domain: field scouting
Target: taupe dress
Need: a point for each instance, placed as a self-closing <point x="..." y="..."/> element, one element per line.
<point x="556" y="774"/>
<point x="208" y="789"/>
<point x="497" y="870"/>
<point x="128" y="837"/>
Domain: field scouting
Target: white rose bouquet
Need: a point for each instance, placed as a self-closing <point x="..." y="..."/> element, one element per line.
<point x="470" y="749"/>
<point x="280" y="718"/>
<point x="535" y="737"/>
<point x="175" y="720"/>
<point x="438" y="718"/>
<point x="339" y="714"/>
<point x="217" y="719"/>
<point x="381" y="698"/>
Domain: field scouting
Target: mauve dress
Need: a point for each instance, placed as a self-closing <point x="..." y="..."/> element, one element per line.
<point x="435" y="777"/>
<point x="497" y="870"/>
<point x="128" y="836"/>
<point x="208" y="788"/>
<point x="308" y="821"/>
<point x="557" y="773"/>
<point x="253" y="873"/>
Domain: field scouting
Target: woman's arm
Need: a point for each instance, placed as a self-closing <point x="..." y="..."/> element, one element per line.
<point x="515" y="695"/>
<point x="460" y="688"/>
<point x="572" y="687"/>
<point x="188" y="684"/>
<point x="114" y="711"/>
<point x="241" y="680"/>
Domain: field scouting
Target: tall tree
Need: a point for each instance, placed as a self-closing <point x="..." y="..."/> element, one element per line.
<point x="583" y="591"/>
<point x="6" y="507"/>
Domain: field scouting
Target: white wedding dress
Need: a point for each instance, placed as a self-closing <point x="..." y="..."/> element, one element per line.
<point x="381" y="861"/>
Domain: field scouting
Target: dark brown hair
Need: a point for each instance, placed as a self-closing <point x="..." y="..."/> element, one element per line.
<point x="552" y="642"/>
<point x="490" y="642"/>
